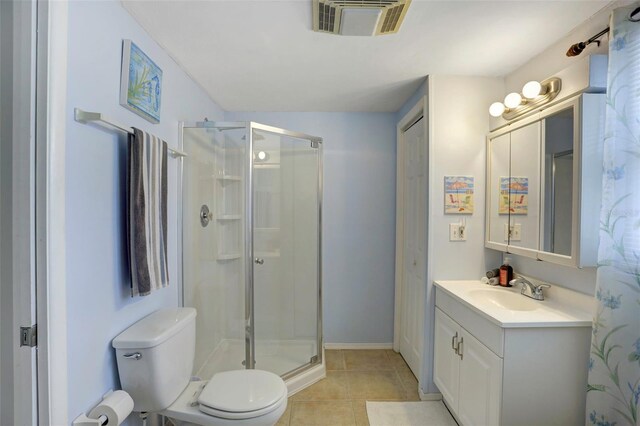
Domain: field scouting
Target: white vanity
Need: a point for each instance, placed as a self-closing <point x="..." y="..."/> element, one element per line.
<point x="501" y="358"/>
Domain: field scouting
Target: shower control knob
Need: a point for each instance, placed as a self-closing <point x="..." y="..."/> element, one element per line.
<point x="259" y="261"/>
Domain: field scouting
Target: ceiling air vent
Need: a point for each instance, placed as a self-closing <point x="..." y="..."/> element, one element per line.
<point x="359" y="17"/>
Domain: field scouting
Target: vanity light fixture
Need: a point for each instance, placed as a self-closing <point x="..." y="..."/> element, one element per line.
<point x="512" y="100"/>
<point x="534" y="95"/>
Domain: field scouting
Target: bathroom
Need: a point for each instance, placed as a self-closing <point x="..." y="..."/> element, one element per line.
<point x="65" y="266"/>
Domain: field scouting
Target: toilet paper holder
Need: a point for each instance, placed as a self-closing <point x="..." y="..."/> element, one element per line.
<point x="101" y="419"/>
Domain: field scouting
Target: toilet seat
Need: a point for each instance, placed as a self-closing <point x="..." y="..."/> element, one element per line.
<point x="242" y="394"/>
<point x="187" y="410"/>
<point x="230" y="415"/>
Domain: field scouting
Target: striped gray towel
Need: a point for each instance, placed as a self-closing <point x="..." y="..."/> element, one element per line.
<point x="147" y="208"/>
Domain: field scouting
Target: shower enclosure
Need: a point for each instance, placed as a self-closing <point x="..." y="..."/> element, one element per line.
<point x="250" y="223"/>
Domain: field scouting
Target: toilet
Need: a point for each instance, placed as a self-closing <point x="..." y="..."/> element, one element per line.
<point x="155" y="362"/>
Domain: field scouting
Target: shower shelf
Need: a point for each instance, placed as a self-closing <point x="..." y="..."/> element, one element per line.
<point x="225" y="217"/>
<point x="229" y="256"/>
<point x="266" y="166"/>
<point x="229" y="178"/>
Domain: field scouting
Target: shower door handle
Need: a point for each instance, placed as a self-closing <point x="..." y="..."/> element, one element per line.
<point x="259" y="261"/>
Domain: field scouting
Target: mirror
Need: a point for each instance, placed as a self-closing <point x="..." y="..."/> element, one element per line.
<point x="547" y="168"/>
<point x="558" y="183"/>
<point x="498" y="166"/>
<point x="524" y="187"/>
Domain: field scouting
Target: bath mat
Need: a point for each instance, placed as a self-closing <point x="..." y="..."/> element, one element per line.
<point x="424" y="413"/>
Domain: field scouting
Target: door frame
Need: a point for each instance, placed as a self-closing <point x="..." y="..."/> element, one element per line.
<point x="49" y="188"/>
<point x="419" y="110"/>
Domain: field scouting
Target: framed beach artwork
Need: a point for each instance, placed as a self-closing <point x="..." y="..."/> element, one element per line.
<point x="140" y="83"/>
<point x="514" y="195"/>
<point x="458" y="194"/>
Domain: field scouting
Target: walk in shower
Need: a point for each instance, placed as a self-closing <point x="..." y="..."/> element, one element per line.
<point x="250" y="223"/>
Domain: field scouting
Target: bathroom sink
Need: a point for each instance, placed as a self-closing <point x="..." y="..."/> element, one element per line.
<point x="503" y="299"/>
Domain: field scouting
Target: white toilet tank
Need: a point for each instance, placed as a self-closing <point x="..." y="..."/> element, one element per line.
<point x="155" y="357"/>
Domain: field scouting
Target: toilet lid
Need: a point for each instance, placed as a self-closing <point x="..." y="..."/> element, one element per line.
<point x="241" y="391"/>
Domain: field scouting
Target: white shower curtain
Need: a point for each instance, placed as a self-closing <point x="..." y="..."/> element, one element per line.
<point x="614" y="367"/>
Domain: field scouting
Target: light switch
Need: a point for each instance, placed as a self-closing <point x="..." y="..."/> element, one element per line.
<point x="457" y="232"/>
<point x="516" y="232"/>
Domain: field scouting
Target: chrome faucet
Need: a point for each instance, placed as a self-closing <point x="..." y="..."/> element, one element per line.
<point x="530" y="289"/>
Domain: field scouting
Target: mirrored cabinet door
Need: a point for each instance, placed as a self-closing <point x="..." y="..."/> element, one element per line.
<point x="524" y="188"/>
<point x="498" y="164"/>
<point x="558" y="182"/>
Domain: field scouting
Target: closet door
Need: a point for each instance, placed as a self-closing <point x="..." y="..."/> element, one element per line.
<point x="480" y="383"/>
<point x="446" y="362"/>
<point x="415" y="253"/>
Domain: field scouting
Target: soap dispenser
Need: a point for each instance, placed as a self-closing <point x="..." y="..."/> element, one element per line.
<point x="506" y="273"/>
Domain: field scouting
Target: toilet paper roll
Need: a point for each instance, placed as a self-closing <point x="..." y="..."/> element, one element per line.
<point x="116" y="407"/>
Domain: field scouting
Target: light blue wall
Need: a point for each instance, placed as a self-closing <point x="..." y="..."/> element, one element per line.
<point x="358" y="218"/>
<point x="98" y="301"/>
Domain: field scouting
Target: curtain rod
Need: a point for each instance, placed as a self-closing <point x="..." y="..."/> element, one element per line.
<point x="85" y="117"/>
<point x="577" y="48"/>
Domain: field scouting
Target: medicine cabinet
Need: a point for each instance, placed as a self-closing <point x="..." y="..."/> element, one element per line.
<point x="544" y="183"/>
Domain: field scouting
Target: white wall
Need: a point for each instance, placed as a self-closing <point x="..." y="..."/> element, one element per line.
<point x="358" y="214"/>
<point x="99" y="305"/>
<point x="458" y="124"/>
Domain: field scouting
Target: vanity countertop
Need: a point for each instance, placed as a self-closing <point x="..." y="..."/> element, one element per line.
<point x="507" y="308"/>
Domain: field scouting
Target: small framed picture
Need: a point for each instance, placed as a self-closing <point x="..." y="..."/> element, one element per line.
<point x="458" y="194"/>
<point x="140" y="83"/>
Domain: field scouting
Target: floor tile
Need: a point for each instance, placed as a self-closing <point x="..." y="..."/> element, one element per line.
<point x="333" y="387"/>
<point x="322" y="413"/>
<point x="407" y="378"/>
<point x="363" y="360"/>
<point x="395" y="358"/>
<point x="360" y="412"/>
<point x="334" y="360"/>
<point x="376" y="385"/>
<point x="284" y="419"/>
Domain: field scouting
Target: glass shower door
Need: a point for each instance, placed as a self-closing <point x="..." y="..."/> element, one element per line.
<point x="286" y="278"/>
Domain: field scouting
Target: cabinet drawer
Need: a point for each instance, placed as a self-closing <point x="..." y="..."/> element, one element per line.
<point x="481" y="328"/>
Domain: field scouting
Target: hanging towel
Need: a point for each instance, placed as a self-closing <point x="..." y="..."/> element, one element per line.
<point x="147" y="213"/>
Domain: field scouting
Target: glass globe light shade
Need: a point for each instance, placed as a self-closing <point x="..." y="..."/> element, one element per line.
<point x="496" y="109"/>
<point x="532" y="89"/>
<point x="512" y="100"/>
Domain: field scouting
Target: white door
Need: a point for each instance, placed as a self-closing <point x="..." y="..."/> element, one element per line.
<point x="446" y="363"/>
<point x="480" y="383"/>
<point x="414" y="242"/>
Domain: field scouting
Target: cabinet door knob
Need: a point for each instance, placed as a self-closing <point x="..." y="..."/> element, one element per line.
<point x="460" y="347"/>
<point x="454" y="343"/>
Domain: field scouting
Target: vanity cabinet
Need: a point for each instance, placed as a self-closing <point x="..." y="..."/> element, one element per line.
<point x="544" y="183"/>
<point x="467" y="373"/>
<point x="517" y="373"/>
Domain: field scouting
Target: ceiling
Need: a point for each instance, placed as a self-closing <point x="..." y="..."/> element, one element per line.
<point x="261" y="55"/>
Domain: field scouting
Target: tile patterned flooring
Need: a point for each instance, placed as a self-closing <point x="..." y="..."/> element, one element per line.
<point x="353" y="377"/>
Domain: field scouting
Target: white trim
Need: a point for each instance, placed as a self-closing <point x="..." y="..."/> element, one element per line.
<point x="52" y="302"/>
<point x="419" y="110"/>
<point x="429" y="396"/>
<point x="335" y="346"/>
<point x="304" y="380"/>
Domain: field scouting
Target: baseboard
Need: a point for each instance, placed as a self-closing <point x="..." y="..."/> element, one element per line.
<point x="429" y="396"/>
<point x="333" y="346"/>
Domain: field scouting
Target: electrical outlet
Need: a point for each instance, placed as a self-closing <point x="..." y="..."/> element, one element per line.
<point x="457" y="232"/>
